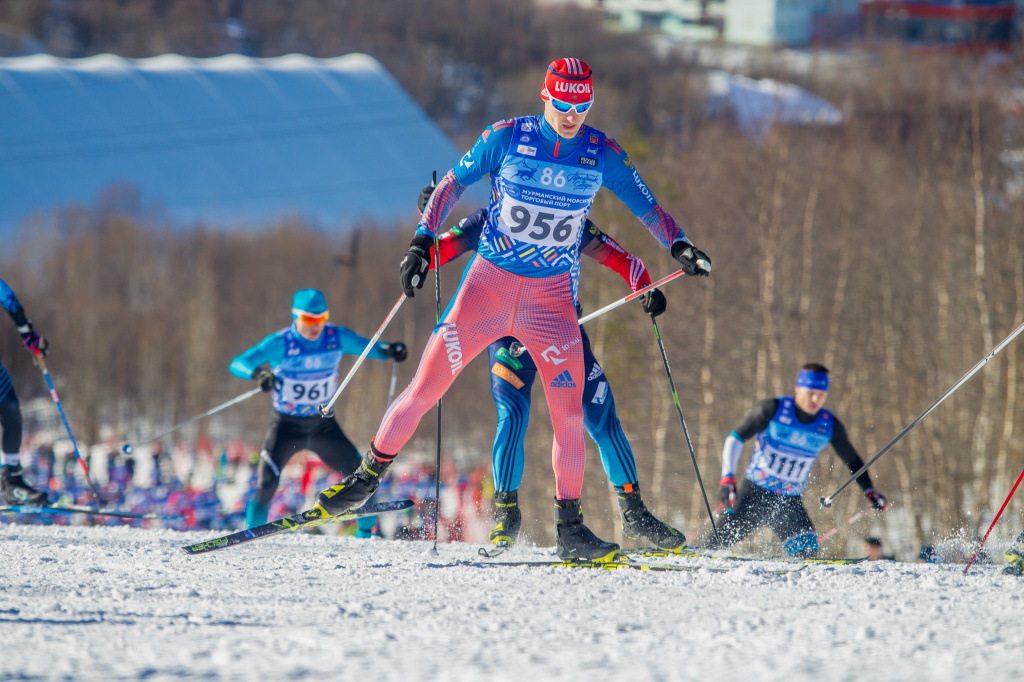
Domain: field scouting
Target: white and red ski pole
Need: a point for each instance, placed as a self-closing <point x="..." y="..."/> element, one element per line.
<point x="640" y="292"/>
<point x="327" y="409"/>
<point x="849" y="522"/>
<point x="1006" y="502"/>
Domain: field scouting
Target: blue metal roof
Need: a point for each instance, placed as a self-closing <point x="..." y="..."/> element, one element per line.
<point x="229" y="140"/>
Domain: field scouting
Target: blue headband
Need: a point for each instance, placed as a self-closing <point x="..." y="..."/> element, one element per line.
<point x="816" y="381"/>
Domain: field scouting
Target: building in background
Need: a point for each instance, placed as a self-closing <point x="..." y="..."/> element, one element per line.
<point x="748" y="22"/>
<point x="230" y="141"/>
<point x="679" y="19"/>
<point x="941" y="23"/>
<point x="799" y="23"/>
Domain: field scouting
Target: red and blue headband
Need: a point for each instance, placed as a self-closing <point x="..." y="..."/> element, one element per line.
<point x="816" y="381"/>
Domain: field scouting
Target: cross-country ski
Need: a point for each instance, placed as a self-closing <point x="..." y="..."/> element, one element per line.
<point x="57" y="509"/>
<point x="311" y="518"/>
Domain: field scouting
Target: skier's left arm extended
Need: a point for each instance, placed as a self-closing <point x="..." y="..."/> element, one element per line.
<point x="353" y="344"/>
<point x="841" y="444"/>
<point x="610" y="254"/>
<point x="623" y="179"/>
<point x="29" y="337"/>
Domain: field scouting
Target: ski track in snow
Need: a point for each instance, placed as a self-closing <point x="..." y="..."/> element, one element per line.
<point x="119" y="603"/>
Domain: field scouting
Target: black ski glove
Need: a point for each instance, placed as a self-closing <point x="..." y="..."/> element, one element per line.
<point x="265" y="380"/>
<point x="690" y="257"/>
<point x="398" y="351"/>
<point x="653" y="302"/>
<point x="36" y="344"/>
<point x="413" y="270"/>
<point x="425" y="193"/>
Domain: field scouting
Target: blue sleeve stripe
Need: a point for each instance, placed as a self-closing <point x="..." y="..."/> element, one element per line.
<point x="7" y="298"/>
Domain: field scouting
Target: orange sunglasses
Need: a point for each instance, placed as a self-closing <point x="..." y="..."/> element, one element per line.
<point x="308" y="318"/>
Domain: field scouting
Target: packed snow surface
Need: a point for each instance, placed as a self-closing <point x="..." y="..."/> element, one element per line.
<point x="118" y="603"/>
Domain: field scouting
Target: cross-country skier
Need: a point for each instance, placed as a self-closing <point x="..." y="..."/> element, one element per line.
<point x="545" y="173"/>
<point x="13" y="488"/>
<point x="513" y="372"/>
<point x="303" y="360"/>
<point x="791" y="431"/>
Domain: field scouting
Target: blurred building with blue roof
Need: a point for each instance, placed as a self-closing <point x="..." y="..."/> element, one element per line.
<point x="228" y="141"/>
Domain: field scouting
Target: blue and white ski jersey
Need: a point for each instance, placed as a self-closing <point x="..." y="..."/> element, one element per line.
<point x="306" y="371"/>
<point x="542" y="188"/>
<point x="786" y="450"/>
<point x="539" y="205"/>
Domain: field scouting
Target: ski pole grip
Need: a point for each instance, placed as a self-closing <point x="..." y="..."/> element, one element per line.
<point x="704" y="265"/>
<point x="826" y="502"/>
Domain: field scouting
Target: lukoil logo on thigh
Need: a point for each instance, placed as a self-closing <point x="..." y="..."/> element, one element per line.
<point x="450" y="336"/>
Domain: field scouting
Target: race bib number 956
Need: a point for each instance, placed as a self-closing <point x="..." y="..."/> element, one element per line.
<point x="540" y="226"/>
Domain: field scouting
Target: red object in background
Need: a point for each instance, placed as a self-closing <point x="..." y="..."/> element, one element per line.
<point x="939" y="24"/>
<point x="998" y="514"/>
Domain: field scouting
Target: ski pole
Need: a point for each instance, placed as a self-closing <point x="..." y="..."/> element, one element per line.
<point x="394" y="378"/>
<point x="639" y="292"/>
<point x="827" y="501"/>
<point x="56" y="401"/>
<point x="327" y="409"/>
<point x="849" y="522"/>
<point x="127" y="447"/>
<point x="1006" y="502"/>
<point x="437" y="463"/>
<point x="686" y="432"/>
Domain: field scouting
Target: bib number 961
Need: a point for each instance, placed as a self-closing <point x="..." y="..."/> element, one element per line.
<point x="302" y="392"/>
<point x="544" y="227"/>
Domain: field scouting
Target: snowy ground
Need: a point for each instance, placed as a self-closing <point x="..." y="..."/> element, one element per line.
<point x="124" y="604"/>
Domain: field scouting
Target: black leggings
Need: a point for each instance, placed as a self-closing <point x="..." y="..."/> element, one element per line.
<point x="287" y="435"/>
<point x="755" y="507"/>
<point x="10" y="422"/>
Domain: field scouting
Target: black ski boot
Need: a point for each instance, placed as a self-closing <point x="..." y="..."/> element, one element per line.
<point x="640" y="524"/>
<point x="576" y="541"/>
<point x="356" y="488"/>
<point x="507" y="519"/>
<point x="1015" y="555"/>
<point x="14" y="490"/>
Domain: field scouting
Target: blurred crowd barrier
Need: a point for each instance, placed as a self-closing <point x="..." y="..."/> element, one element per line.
<point x="210" y="486"/>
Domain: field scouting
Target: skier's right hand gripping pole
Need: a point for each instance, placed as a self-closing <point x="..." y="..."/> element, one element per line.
<point x="413" y="270"/>
<point x="416" y="262"/>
